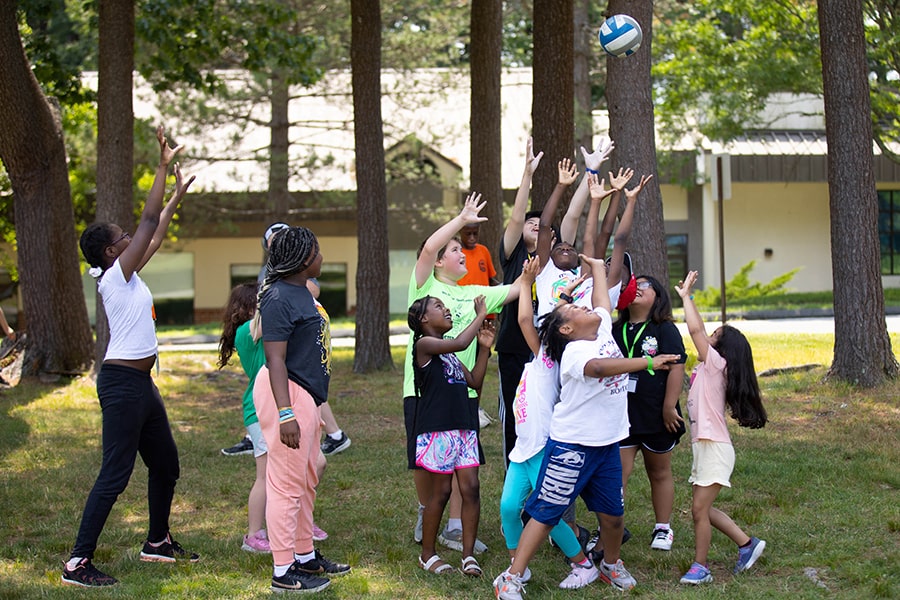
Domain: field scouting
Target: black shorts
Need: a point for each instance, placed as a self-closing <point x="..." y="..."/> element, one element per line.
<point x="409" y="422"/>
<point x="658" y="443"/>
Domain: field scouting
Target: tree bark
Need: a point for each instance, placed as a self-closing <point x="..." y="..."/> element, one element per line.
<point x="862" y="346"/>
<point x="372" y="310"/>
<point x="631" y="126"/>
<point x="115" y="132"/>
<point x="553" y="102"/>
<point x="279" y="128"/>
<point x="485" y="117"/>
<point x="34" y="154"/>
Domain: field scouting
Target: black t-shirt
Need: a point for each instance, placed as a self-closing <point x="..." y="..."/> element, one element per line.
<point x="444" y="403"/>
<point x="645" y="404"/>
<point x="289" y="313"/>
<point x="509" y="336"/>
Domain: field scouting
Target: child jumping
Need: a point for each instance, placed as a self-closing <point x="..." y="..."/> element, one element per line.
<point x="446" y="419"/>
<point x="725" y="378"/>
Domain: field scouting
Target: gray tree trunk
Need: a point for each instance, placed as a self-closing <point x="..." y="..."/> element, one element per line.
<point x="279" y="128"/>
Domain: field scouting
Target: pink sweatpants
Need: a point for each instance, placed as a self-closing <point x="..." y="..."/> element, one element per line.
<point x="291" y="478"/>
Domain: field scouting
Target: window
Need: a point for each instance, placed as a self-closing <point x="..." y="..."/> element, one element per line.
<point x="889" y="231"/>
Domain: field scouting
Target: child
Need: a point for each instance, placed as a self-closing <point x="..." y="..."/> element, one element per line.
<point x="298" y="370"/>
<point x="582" y="453"/>
<point x="645" y="328"/>
<point x="134" y="418"/>
<point x="725" y="378"/>
<point x="446" y="420"/>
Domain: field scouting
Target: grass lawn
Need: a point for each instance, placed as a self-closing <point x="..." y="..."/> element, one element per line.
<point x="819" y="484"/>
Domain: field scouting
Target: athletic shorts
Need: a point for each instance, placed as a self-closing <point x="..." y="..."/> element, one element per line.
<point x="409" y="422"/>
<point x="572" y="470"/>
<point x="447" y="451"/>
<point x="713" y="463"/>
<point x="259" y="442"/>
<point x="658" y="443"/>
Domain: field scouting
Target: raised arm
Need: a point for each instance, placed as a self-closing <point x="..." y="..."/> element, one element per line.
<point x="598" y="193"/>
<point x="516" y="224"/>
<point x="599" y="293"/>
<point x="432" y="346"/>
<point x="592" y="160"/>
<point x="568" y="172"/>
<point x="526" y="308"/>
<point x="475" y="377"/>
<point x="605" y="367"/>
<point x="692" y="315"/>
<point x="623" y="232"/>
<point x="440" y="238"/>
<point x="166" y="215"/>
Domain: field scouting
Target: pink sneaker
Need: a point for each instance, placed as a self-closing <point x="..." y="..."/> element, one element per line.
<point x="258" y="543"/>
<point x="319" y="535"/>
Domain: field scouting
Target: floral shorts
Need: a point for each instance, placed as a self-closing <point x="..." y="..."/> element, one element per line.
<point x="446" y="451"/>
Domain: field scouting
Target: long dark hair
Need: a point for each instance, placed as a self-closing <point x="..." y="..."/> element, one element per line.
<point x="660" y="311"/>
<point x="240" y="308"/>
<point x="742" y="395"/>
<point x="553" y="340"/>
<point x="414" y="320"/>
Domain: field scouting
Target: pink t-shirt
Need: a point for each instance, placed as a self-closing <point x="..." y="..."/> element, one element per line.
<point x="706" y="400"/>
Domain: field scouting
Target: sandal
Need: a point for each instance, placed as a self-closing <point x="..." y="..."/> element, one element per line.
<point x="471" y="567"/>
<point x="432" y="565"/>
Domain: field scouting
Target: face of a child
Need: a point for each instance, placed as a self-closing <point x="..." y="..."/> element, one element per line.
<point x="315" y="267"/>
<point x="530" y="231"/>
<point x="645" y="295"/>
<point x="453" y="262"/>
<point x="564" y="256"/>
<point x="469" y="235"/>
<point x="579" y="320"/>
<point x="438" y="316"/>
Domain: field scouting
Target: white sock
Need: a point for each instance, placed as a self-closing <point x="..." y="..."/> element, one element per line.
<point x="662" y="526"/>
<point x="454" y="524"/>
<point x="304" y="557"/>
<point x="73" y="562"/>
<point x="280" y="570"/>
<point x="337" y="435"/>
<point x="587" y="564"/>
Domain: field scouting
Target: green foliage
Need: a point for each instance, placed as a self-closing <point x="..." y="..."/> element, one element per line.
<point x="739" y="289"/>
<point x="882" y="27"/>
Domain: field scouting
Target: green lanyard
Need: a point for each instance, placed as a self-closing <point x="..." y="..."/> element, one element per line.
<point x="636" y="338"/>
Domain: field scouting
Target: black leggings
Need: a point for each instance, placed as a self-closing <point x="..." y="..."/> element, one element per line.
<point x="134" y="420"/>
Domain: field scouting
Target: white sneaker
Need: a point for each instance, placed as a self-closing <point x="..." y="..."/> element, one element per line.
<point x="661" y="539"/>
<point x="526" y="576"/>
<point x="417" y="530"/>
<point x="580" y="577"/>
<point x="484" y="419"/>
<point x="452" y="538"/>
<point x="617" y="575"/>
<point x="508" y="586"/>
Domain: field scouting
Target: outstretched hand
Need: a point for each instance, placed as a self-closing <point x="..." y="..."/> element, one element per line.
<point x="597" y="266"/>
<point x="531" y="161"/>
<point x="530" y="270"/>
<point x="486" y="334"/>
<point x="568" y="172"/>
<point x="598" y="187"/>
<point x="166" y="154"/>
<point x="684" y="286"/>
<point x="632" y="194"/>
<point x="471" y="208"/>
<point x="593" y="160"/>
<point x="619" y="180"/>
<point x="181" y="186"/>
<point x="480" y="307"/>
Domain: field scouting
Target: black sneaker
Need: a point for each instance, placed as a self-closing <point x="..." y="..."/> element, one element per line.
<point x="322" y="566"/>
<point x="330" y="446"/>
<point x="245" y="446"/>
<point x="169" y="551"/>
<point x="86" y="574"/>
<point x="296" y="580"/>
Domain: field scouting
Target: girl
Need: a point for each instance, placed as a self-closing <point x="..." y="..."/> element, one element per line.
<point x="582" y="453"/>
<point x="724" y="378"/>
<point x="445" y="422"/>
<point x="134" y="418"/>
<point x="288" y="390"/>
<point x="645" y="328"/>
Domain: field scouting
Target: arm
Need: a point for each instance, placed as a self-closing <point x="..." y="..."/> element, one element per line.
<point x="165" y="216"/>
<point x="624" y="230"/>
<point x="605" y="367"/>
<point x="600" y="292"/>
<point x="598" y="193"/>
<point x="567" y="174"/>
<point x="475" y="377"/>
<point x="526" y="310"/>
<point x="592" y="162"/>
<point x="132" y="257"/>
<point x="674" y="383"/>
<point x="278" y="378"/>
<point x="432" y="346"/>
<point x="513" y="230"/>
<point x="440" y="238"/>
<point x="692" y="315"/>
<point x="7" y="330"/>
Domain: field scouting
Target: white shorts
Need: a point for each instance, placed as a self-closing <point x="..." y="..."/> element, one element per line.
<point x="713" y="463"/>
<point x="259" y="442"/>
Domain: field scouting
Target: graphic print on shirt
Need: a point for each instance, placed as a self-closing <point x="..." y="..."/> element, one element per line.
<point x="453" y="370"/>
<point x="616" y="384"/>
<point x="650" y="346"/>
<point x="564" y="280"/>
<point x="324" y="340"/>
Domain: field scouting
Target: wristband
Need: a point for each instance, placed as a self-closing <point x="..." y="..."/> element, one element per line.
<point x="285" y="414"/>
<point x="566" y="297"/>
<point x="650" y="365"/>
<point x="589" y="170"/>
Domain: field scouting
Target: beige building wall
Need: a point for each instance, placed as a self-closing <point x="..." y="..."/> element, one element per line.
<point x="675" y="202"/>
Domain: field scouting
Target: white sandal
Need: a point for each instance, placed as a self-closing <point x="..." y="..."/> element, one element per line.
<point x="471" y="567"/>
<point x="430" y="565"/>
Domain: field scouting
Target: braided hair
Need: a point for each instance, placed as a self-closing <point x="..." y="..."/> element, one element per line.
<point x="414" y="320"/>
<point x="94" y="240"/>
<point x="548" y="329"/>
<point x="293" y="251"/>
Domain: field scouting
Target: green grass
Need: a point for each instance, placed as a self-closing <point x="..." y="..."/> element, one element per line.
<point x="819" y="483"/>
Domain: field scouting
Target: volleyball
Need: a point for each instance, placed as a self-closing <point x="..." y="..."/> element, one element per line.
<point x="620" y="35"/>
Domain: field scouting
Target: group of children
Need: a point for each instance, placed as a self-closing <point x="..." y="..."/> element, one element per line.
<point x="592" y="394"/>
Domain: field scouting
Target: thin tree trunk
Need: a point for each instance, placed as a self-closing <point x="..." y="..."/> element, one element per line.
<point x="279" y="128"/>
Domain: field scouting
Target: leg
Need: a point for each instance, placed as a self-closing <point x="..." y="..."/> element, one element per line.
<point x="516" y="488"/>
<point x="256" y="502"/>
<point x="159" y="453"/>
<point x="700" y="511"/>
<point x="723" y="523"/>
<point x="662" y="484"/>
<point x="439" y="486"/>
<point x="331" y="425"/>
<point x="469" y="489"/>
<point x="627" y="456"/>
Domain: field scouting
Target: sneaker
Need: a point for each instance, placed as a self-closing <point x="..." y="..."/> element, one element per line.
<point x="258" y="543"/>
<point x="597" y="555"/>
<point x="169" y="551"/>
<point x="296" y="580"/>
<point x="331" y="447"/>
<point x="526" y="576"/>
<point x="697" y="574"/>
<point x="86" y="574"/>
<point x="617" y="576"/>
<point x="322" y="566"/>
<point x="661" y="539"/>
<point x="319" y="534"/>
<point x="452" y="538"/>
<point x="245" y="446"/>
<point x="747" y="556"/>
<point x="484" y="419"/>
<point x="417" y="530"/>
<point x="508" y="586"/>
<point x="580" y="577"/>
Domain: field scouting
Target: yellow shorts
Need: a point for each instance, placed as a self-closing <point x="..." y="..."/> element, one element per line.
<point x="713" y="463"/>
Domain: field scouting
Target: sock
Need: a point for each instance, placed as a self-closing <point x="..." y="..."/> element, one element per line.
<point x="280" y="570"/>
<point x="607" y="565"/>
<point x="304" y="557"/>
<point x="662" y="526"/>
<point x="73" y="562"/>
<point x="454" y="524"/>
<point x="158" y="544"/>
<point x="586" y="564"/>
<point x="337" y="435"/>
<point x="747" y="545"/>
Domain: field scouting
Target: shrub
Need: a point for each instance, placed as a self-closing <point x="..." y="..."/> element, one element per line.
<point x="740" y="289"/>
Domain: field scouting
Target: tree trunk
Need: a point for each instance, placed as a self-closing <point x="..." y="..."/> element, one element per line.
<point x="631" y="126"/>
<point x="34" y="154"/>
<point x="862" y="347"/>
<point x="373" y="349"/>
<point x="486" y="45"/>
<point x="115" y="132"/>
<point x="553" y="103"/>
<point x="279" y="127"/>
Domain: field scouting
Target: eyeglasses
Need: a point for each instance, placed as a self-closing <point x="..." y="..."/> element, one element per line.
<point x="643" y="285"/>
<point x="124" y="236"/>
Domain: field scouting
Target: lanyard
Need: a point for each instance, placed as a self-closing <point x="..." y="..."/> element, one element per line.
<point x="636" y="338"/>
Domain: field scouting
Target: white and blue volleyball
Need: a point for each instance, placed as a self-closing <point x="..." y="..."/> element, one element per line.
<point x="620" y="35"/>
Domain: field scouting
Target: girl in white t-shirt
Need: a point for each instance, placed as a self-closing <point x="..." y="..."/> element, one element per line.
<point x="724" y="378"/>
<point x="581" y="457"/>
